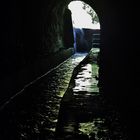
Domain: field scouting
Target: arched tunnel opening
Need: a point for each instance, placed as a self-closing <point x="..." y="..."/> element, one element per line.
<point x="43" y="92"/>
<point x="86" y="26"/>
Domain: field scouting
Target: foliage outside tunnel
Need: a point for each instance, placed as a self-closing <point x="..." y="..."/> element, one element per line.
<point x="83" y="16"/>
<point x="86" y="26"/>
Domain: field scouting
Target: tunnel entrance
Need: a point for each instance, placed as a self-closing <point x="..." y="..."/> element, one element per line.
<point x="86" y="26"/>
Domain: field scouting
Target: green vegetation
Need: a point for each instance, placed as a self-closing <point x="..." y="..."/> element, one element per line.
<point x="91" y="12"/>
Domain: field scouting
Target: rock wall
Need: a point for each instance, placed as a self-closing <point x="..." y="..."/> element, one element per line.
<point x="33" y="41"/>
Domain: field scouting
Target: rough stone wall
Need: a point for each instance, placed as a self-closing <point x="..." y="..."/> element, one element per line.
<point x="33" y="32"/>
<point x="119" y="59"/>
<point x="52" y="31"/>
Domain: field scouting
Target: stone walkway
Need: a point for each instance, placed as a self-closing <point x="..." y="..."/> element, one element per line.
<point x="64" y="104"/>
<point x="84" y="113"/>
<point x="33" y="114"/>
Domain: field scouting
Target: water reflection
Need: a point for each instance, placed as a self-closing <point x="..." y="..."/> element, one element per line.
<point x="84" y="113"/>
<point x="90" y="128"/>
<point x="85" y="80"/>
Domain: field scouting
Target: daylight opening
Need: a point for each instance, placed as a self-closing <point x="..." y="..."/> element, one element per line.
<point x="83" y="16"/>
<point x="86" y="26"/>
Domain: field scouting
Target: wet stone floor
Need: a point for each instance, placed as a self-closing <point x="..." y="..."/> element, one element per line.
<point x="33" y="114"/>
<point x="65" y="104"/>
<point x="84" y="112"/>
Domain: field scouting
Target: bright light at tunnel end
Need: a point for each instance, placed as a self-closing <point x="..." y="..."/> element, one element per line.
<point x="80" y="17"/>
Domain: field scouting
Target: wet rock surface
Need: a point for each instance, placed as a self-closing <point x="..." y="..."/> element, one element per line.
<point x="85" y="114"/>
<point x="63" y="105"/>
<point x="33" y="114"/>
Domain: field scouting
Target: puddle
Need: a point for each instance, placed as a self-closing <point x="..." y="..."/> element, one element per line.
<point x="95" y="127"/>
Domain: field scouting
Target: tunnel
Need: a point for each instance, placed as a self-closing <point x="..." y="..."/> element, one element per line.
<point x="37" y="36"/>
